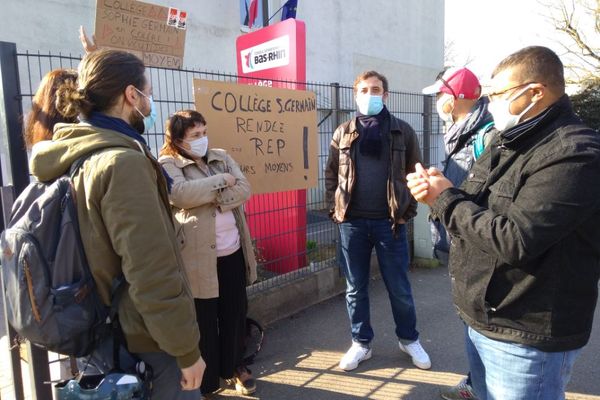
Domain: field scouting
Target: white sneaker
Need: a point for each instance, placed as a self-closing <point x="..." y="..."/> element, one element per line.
<point x="417" y="353"/>
<point x="354" y="356"/>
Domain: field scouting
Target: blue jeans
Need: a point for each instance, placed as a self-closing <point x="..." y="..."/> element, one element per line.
<point x="512" y="371"/>
<point x="358" y="237"/>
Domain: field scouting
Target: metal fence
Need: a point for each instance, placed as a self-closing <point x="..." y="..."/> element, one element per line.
<point x="172" y="91"/>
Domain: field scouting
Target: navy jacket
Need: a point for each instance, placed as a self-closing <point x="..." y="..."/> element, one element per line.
<point x="460" y="157"/>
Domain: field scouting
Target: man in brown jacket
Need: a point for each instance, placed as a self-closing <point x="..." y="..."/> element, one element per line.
<point x="365" y="178"/>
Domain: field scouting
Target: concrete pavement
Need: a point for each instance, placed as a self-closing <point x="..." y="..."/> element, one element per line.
<point x="300" y="354"/>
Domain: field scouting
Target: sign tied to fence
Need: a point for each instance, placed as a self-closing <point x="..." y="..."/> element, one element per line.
<point x="154" y="33"/>
<point x="271" y="133"/>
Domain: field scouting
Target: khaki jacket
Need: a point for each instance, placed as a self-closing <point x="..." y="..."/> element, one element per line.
<point x="127" y="228"/>
<point x="196" y="196"/>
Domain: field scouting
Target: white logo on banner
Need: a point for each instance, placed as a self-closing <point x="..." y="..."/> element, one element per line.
<point x="271" y="54"/>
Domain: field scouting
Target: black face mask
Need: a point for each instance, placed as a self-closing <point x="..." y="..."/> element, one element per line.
<point x="137" y="122"/>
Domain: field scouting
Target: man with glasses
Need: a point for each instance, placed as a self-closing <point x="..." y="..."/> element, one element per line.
<point x="365" y="178"/>
<point x="525" y="228"/>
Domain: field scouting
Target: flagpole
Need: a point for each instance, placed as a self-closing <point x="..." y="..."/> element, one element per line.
<point x="265" y="7"/>
<point x="275" y="13"/>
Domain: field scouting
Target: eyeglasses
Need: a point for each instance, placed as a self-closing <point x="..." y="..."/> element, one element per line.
<point x="449" y="88"/>
<point x="440" y="78"/>
<point x="496" y="94"/>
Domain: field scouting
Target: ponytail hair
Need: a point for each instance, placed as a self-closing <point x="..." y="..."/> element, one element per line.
<point x="103" y="77"/>
<point x="71" y="101"/>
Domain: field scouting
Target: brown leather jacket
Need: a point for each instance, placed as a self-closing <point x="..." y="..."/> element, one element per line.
<point x="340" y="170"/>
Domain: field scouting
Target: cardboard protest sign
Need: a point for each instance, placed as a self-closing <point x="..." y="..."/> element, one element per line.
<point x="271" y="133"/>
<point x="154" y="33"/>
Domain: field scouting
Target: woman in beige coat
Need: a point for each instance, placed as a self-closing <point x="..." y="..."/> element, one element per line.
<point x="207" y="196"/>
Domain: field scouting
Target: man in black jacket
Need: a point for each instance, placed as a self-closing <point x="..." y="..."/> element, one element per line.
<point x="525" y="229"/>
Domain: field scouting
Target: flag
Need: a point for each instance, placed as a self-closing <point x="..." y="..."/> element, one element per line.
<point x="244" y="12"/>
<point x="252" y="12"/>
<point x="289" y="9"/>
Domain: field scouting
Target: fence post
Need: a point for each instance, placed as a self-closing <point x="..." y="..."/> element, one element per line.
<point x="11" y="113"/>
<point x="427" y="111"/>
<point x="13" y="151"/>
<point x="335" y="103"/>
<point x="336" y="108"/>
<point x="422" y="245"/>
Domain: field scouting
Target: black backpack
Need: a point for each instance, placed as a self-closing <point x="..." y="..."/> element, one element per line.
<point x="51" y="297"/>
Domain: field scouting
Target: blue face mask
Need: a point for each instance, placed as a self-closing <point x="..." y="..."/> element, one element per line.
<point x="150" y="119"/>
<point x="369" y="104"/>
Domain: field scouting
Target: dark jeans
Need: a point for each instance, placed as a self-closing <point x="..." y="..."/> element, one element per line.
<point x="222" y="322"/>
<point x="358" y="237"/>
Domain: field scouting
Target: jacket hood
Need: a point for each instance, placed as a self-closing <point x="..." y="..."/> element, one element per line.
<point x="52" y="158"/>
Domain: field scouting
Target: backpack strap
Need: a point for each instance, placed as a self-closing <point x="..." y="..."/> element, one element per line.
<point x="78" y="163"/>
<point x="480" y="139"/>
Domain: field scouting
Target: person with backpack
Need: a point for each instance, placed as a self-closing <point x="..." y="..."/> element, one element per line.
<point x="460" y="105"/>
<point x="124" y="215"/>
<point x="470" y="127"/>
<point x="208" y="194"/>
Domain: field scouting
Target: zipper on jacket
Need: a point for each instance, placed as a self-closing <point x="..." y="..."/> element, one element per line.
<point x="391" y="182"/>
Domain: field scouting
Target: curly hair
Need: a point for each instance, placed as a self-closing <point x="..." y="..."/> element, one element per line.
<point x="44" y="113"/>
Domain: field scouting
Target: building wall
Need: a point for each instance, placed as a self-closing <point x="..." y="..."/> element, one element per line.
<point x="402" y="39"/>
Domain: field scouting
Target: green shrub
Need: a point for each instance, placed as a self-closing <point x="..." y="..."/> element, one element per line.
<point x="586" y="105"/>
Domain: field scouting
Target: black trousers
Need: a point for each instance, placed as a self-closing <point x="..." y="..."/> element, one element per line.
<point x="222" y="322"/>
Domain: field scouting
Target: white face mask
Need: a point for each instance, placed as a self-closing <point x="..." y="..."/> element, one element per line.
<point x="500" y="110"/>
<point x="439" y="106"/>
<point x="198" y="147"/>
